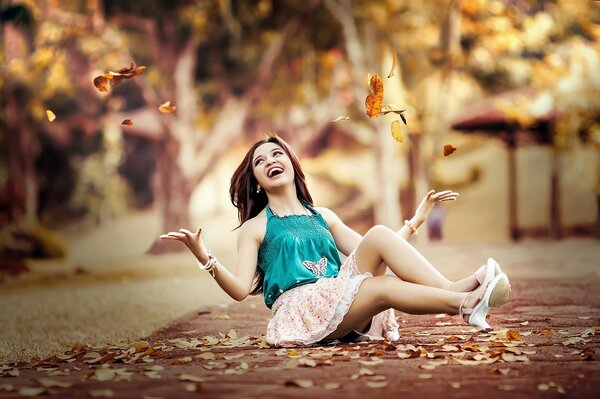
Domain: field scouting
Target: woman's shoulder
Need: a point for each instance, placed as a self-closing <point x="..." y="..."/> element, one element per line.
<point x="329" y="215"/>
<point x="255" y="227"/>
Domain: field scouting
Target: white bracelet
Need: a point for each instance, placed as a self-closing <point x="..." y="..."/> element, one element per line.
<point x="411" y="227"/>
<point x="211" y="266"/>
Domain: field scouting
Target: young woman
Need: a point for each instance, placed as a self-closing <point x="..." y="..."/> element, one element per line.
<point x="287" y="249"/>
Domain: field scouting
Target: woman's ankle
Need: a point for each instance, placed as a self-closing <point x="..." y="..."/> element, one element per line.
<point x="467" y="284"/>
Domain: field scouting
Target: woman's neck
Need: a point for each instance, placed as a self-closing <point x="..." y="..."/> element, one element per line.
<point x="288" y="204"/>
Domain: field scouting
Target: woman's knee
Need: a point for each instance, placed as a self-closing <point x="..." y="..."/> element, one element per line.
<point x="385" y="285"/>
<point x="378" y="232"/>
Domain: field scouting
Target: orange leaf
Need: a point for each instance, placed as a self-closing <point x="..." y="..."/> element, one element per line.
<point x="374" y="100"/>
<point x="167" y="108"/>
<point x="449" y="149"/>
<point x="101" y="83"/>
<point x="127" y="122"/>
<point x="397" y="132"/>
<point x="512" y="335"/>
<point x="114" y="78"/>
<point x="50" y="115"/>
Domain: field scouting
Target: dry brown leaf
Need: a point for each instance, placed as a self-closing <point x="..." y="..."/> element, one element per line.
<point x="206" y="356"/>
<point x="31" y="391"/>
<point x="397" y="132"/>
<point x="588" y="353"/>
<point x="192" y="378"/>
<point x="512" y="335"/>
<point x="224" y="317"/>
<point x="449" y="149"/>
<point x="182" y="360"/>
<point x="393" y="109"/>
<point x="106" y="80"/>
<point x="307" y="362"/>
<point x="49" y="383"/>
<point x="376" y="384"/>
<point x="102" y="393"/>
<point x="78" y="346"/>
<point x="236" y="356"/>
<point x="167" y="108"/>
<point x="104" y="374"/>
<point x="340" y="118"/>
<point x="302" y="383"/>
<point x="50" y="115"/>
<point x="374" y="100"/>
<point x="127" y="122"/>
<point x="394" y="64"/>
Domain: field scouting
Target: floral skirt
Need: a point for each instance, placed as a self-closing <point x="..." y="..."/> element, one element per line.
<point x="307" y="314"/>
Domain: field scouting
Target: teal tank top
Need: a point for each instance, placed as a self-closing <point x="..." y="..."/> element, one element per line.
<point x="296" y="250"/>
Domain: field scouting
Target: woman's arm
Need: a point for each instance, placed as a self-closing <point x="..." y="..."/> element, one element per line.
<point x="239" y="283"/>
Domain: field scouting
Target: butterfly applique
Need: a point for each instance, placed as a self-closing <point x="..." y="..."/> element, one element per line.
<point x="316" y="268"/>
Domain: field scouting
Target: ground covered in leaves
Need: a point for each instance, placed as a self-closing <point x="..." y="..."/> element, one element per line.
<point x="546" y="342"/>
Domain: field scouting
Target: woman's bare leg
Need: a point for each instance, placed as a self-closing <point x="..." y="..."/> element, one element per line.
<point x="379" y="293"/>
<point x="381" y="246"/>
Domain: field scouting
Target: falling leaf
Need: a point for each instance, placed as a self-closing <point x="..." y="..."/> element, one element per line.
<point x="340" y="118"/>
<point x="393" y="109"/>
<point x="376" y="384"/>
<point x="397" y="132"/>
<point x="512" y="335"/>
<point x="50" y="115"/>
<point x="374" y="100"/>
<point x="167" y="108"/>
<point x="49" y="383"/>
<point x="102" y="393"/>
<point x="302" y="383"/>
<point x="449" y="149"/>
<point x="394" y="64"/>
<point x="127" y="122"/>
<point x="31" y="391"/>
<point x="104" y="81"/>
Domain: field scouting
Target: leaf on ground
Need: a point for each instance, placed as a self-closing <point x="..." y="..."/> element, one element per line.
<point x="509" y="357"/>
<point x="455" y="385"/>
<point x="365" y="371"/>
<point x="206" y="356"/>
<point x="78" y="346"/>
<point x="449" y="149"/>
<point x="376" y="384"/>
<point x="7" y="387"/>
<point x="506" y="387"/>
<point x="425" y="376"/>
<point x="302" y="383"/>
<point x="50" y="115"/>
<point x="152" y="374"/>
<point x="374" y="100"/>
<point x="588" y="353"/>
<point x="340" y="118"/>
<point x="31" y="391"/>
<point x="192" y="378"/>
<point x="104" y="374"/>
<point x="307" y="362"/>
<point x="182" y="360"/>
<point x="525" y="323"/>
<point x="397" y="132"/>
<point x="102" y="393"/>
<point x="574" y="340"/>
<point x="332" y="385"/>
<point x="512" y="335"/>
<point x="236" y="356"/>
<point x="168" y="108"/>
<point x="155" y="367"/>
<point x="194" y="387"/>
<point x="49" y="383"/>
<point x="224" y="317"/>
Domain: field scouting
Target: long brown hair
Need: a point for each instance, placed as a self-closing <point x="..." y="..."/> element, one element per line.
<point x="249" y="203"/>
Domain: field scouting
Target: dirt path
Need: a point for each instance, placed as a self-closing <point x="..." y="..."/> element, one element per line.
<point x="546" y="344"/>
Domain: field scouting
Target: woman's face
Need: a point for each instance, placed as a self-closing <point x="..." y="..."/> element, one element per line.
<point x="272" y="167"/>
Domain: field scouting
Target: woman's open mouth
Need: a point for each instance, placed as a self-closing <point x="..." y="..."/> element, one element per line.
<point x="275" y="171"/>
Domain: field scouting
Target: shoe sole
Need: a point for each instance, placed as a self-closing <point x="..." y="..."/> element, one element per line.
<point x="501" y="292"/>
<point x="494" y="293"/>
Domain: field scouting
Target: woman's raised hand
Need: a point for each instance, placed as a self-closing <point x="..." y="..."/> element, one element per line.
<point x="430" y="199"/>
<point x="191" y="240"/>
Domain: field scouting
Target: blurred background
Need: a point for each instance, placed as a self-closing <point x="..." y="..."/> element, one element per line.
<point x="513" y="85"/>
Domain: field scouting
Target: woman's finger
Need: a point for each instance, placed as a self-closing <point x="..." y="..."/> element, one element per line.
<point x="186" y="232"/>
<point x="176" y="234"/>
<point x="166" y="237"/>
